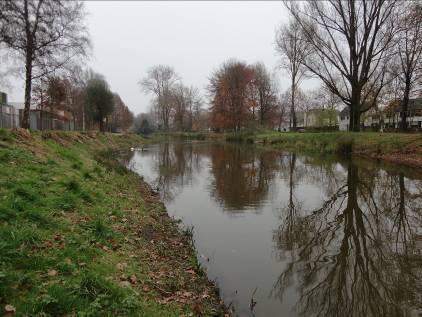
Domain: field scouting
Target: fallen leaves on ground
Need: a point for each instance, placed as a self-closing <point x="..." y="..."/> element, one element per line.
<point x="9" y="309"/>
<point x="166" y="253"/>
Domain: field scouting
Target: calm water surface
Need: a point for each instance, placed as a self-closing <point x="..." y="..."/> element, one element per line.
<point x="301" y="235"/>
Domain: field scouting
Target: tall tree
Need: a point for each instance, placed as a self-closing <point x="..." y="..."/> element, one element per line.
<point x="265" y="94"/>
<point x="45" y="34"/>
<point x="99" y="99"/>
<point x="229" y="87"/>
<point x="349" y="44"/>
<point x="160" y="81"/>
<point x="180" y="101"/>
<point x="199" y="115"/>
<point x="293" y="49"/>
<point x="194" y="106"/>
<point x="409" y="51"/>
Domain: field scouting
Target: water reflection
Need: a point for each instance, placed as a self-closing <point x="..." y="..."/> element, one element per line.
<point x="174" y="165"/>
<point x="358" y="254"/>
<point x="242" y="176"/>
<point x="317" y="236"/>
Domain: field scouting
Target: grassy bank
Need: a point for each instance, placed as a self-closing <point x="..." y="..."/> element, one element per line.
<point x="395" y="147"/>
<point x="80" y="235"/>
<point x="180" y="135"/>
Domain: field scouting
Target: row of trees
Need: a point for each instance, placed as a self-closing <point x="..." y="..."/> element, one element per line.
<point x="87" y="96"/>
<point x="45" y="39"/>
<point x="241" y="95"/>
<point x="356" y="48"/>
<point x="245" y="95"/>
<point x="174" y="104"/>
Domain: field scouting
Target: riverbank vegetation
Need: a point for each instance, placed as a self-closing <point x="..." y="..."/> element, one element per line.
<point x="401" y="148"/>
<point x="397" y="147"/>
<point x="82" y="235"/>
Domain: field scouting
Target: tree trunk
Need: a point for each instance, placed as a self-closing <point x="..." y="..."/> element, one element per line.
<point x="354" y="120"/>
<point x="405" y="106"/>
<point x="101" y="125"/>
<point x="292" y="107"/>
<point x="262" y="114"/>
<point x="83" y="117"/>
<point x="28" y="88"/>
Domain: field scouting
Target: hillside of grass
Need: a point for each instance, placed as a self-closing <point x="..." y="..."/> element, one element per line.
<point x="82" y="236"/>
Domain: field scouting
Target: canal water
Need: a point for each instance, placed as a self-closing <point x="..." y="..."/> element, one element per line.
<point x="285" y="234"/>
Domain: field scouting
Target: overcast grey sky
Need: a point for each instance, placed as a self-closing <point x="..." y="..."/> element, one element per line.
<point x="193" y="37"/>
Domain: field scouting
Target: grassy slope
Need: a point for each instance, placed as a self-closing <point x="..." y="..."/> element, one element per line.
<point x="81" y="235"/>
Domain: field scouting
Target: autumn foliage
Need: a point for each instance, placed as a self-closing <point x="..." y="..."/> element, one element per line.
<point x="237" y="97"/>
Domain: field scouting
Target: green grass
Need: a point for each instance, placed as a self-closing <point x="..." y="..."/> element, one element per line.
<point x="179" y="135"/>
<point x="397" y="147"/>
<point x="55" y="207"/>
<point x="365" y="143"/>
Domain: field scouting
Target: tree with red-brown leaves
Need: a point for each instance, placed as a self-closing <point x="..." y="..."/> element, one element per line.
<point x="229" y="89"/>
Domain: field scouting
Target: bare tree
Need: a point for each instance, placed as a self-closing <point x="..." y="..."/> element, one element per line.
<point x="265" y="94"/>
<point x="409" y="51"/>
<point x="45" y="34"/>
<point x="349" y="44"/>
<point x="160" y="81"/>
<point x="194" y="105"/>
<point x="293" y="49"/>
<point x="186" y="100"/>
<point x="180" y="100"/>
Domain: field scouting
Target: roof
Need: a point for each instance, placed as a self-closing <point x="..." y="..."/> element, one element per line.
<point x="345" y="112"/>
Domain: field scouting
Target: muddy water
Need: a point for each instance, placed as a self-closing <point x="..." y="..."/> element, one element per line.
<point x="296" y="235"/>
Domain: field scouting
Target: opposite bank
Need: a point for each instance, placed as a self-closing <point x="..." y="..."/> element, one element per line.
<point x="399" y="148"/>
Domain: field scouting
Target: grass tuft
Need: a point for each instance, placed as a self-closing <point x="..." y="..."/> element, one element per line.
<point x="73" y="186"/>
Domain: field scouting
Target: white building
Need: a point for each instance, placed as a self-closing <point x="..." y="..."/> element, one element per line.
<point x="386" y="119"/>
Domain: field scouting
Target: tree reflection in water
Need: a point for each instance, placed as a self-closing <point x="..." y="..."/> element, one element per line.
<point x="356" y="255"/>
<point x="242" y="176"/>
<point x="175" y="164"/>
<point x="355" y="252"/>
